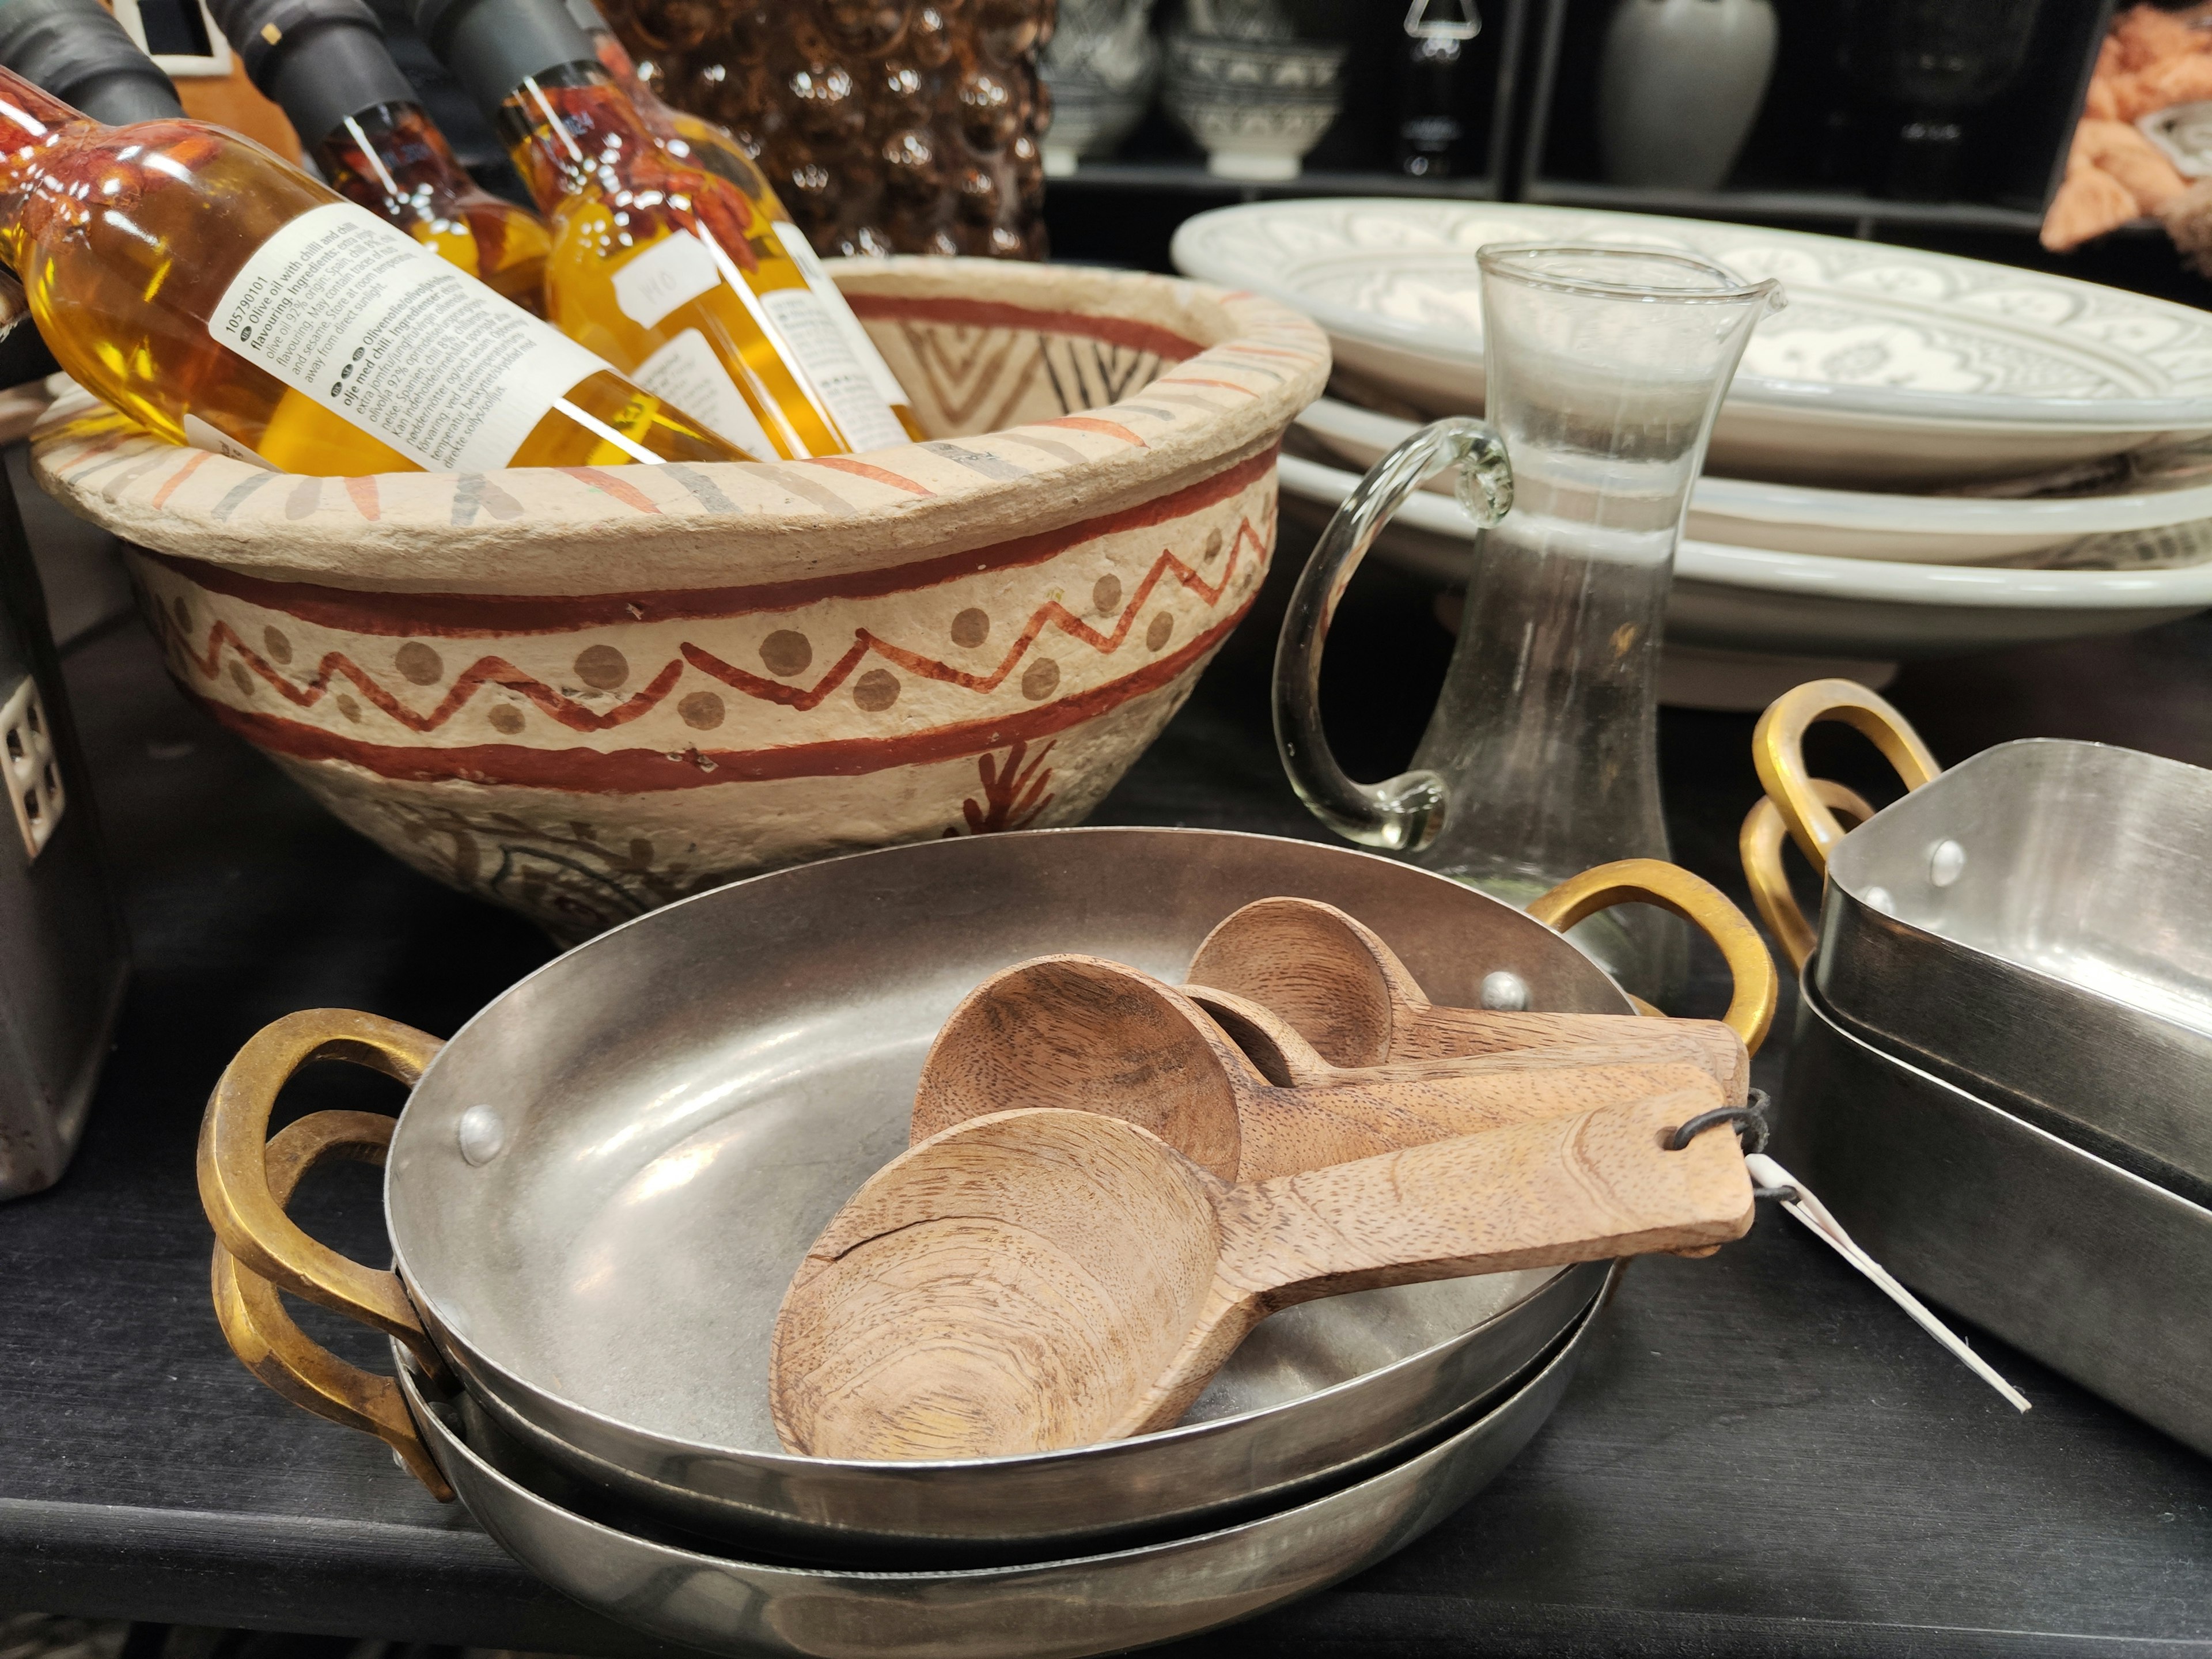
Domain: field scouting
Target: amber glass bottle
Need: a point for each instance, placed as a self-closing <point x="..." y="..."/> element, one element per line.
<point x="324" y="63"/>
<point x="699" y="289"/>
<point x="223" y="297"/>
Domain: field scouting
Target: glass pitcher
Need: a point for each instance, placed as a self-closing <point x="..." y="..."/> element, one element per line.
<point x="1603" y="369"/>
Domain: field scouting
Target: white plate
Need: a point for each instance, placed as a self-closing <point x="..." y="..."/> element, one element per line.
<point x="1845" y="524"/>
<point x="1890" y="366"/>
<point x="1754" y="599"/>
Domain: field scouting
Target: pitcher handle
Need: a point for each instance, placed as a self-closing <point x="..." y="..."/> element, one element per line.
<point x="1405" y="812"/>
<point x="1698" y="902"/>
<point x="243" y="1208"/>
<point x="1759" y="843"/>
<point x="1777" y="749"/>
<point x="275" y="1349"/>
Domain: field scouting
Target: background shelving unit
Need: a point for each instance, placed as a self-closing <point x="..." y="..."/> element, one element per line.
<point x="1541" y="75"/>
<point x="1814" y="145"/>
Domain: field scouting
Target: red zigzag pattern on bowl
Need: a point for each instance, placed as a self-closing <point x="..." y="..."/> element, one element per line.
<point x="497" y="670"/>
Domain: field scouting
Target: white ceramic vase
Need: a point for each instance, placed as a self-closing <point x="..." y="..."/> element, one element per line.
<point x="1679" y="87"/>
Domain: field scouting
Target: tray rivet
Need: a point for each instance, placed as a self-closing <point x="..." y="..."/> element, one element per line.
<point x="483" y="1134"/>
<point x="1504" y="992"/>
<point x="1947" y="862"/>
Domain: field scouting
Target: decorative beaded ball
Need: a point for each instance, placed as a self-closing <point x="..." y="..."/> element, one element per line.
<point x="887" y="126"/>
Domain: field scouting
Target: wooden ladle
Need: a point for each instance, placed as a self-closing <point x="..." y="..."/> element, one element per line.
<point x="1036" y="1279"/>
<point x="1335" y="982"/>
<point x="1082" y="1033"/>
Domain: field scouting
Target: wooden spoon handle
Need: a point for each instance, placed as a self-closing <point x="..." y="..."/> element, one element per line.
<point x="1438" y="1033"/>
<point x="1370" y="1112"/>
<point x="1600" y="1183"/>
<point x="1539" y="1195"/>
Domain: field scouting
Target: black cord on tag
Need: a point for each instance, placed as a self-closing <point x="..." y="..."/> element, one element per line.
<point x="1751" y="1127"/>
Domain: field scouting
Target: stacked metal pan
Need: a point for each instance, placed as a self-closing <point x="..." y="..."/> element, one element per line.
<point x="2001" y="1076"/>
<point x="600" y="1187"/>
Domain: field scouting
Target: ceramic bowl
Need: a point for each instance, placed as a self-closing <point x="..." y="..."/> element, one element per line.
<point x="584" y="692"/>
<point x="1891" y="369"/>
<point x="1256" y="107"/>
<point x="1848" y="524"/>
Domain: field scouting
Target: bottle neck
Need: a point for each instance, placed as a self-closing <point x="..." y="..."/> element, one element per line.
<point x="570" y="129"/>
<point x="393" y="156"/>
<point x="33" y="126"/>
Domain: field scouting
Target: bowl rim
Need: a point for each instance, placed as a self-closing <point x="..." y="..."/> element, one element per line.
<point x="1233" y="367"/>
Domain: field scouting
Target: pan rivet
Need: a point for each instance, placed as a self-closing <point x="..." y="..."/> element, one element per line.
<point x="1878" y="898"/>
<point x="1504" y="993"/>
<point x="483" y="1134"/>
<point x="1947" y="860"/>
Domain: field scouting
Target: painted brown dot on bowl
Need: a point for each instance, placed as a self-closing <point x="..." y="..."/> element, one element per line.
<point x="274" y="642"/>
<point x="419" y="663"/>
<point x="602" y="667"/>
<point x="1106" y="594"/>
<point x="1213" y="543"/>
<point x="1040" y="680"/>
<point x="702" y="711"/>
<point x="241" y="679"/>
<point x="349" y="707"/>
<point x="876" y="690"/>
<point x="786" y="651"/>
<point x="1159" y="631"/>
<point x="971" y="627"/>
<point x="507" y="718"/>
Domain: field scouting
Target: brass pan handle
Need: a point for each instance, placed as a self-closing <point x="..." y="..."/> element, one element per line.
<point x="1760" y="844"/>
<point x="275" y="1349"/>
<point x="1777" y="749"/>
<point x="247" y="1214"/>
<point x="1698" y="902"/>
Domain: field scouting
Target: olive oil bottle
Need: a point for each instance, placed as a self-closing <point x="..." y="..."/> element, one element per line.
<point x="222" y="297"/>
<point x="324" y="63"/>
<point x="699" y="288"/>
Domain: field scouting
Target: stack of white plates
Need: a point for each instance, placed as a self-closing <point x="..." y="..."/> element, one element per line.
<point x="1830" y="523"/>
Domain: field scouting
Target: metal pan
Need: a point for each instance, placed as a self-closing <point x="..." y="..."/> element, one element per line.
<point x="1049" y="1610"/>
<point x="2037" y="923"/>
<point x="2034" y="924"/>
<point x="2092" y="1270"/>
<point x="600" y="1187"/>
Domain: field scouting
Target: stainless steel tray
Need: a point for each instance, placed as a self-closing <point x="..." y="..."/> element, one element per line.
<point x="2096" y="1271"/>
<point x="2035" y="925"/>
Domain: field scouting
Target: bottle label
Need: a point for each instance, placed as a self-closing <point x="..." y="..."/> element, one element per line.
<point x="674" y="270"/>
<point x="819" y="351"/>
<point x="689" y="374"/>
<point x="355" y="313"/>
<point x="862" y="347"/>
<point x="200" y="435"/>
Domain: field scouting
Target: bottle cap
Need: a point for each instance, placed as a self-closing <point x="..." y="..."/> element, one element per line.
<point x="76" y="50"/>
<point x="320" y="60"/>
<point x="493" y="46"/>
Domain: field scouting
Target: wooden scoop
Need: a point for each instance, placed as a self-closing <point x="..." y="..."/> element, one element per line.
<point x="1082" y="1033"/>
<point x="1037" y="1280"/>
<point x="1344" y="991"/>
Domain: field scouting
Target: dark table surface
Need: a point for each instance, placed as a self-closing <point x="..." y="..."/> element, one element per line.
<point x="1759" y="1456"/>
